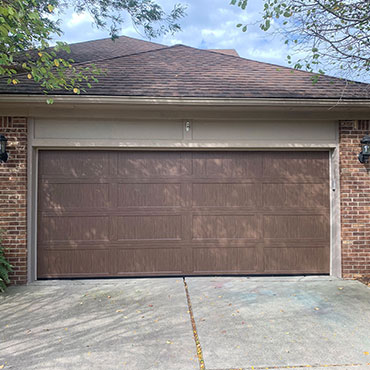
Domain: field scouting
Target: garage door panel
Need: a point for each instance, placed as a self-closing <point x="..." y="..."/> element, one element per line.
<point x="149" y="261"/>
<point x="234" y="165"/>
<point x="150" y="195"/>
<point x="226" y="195"/>
<point x="154" y="164"/>
<point x="76" y="228"/>
<point x="64" y="263"/>
<point x="226" y="227"/>
<point x="295" y="166"/>
<point x="295" y="227"/>
<point x="149" y="227"/>
<point x="224" y="260"/>
<point x="74" y="196"/>
<point x="126" y="213"/>
<point x="74" y="164"/>
<point x="296" y="195"/>
<point x="296" y="260"/>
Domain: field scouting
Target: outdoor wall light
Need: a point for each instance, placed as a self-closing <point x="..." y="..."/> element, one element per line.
<point x="3" y="153"/>
<point x="364" y="155"/>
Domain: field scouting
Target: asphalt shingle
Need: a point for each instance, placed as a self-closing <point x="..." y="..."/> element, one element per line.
<point x="182" y="71"/>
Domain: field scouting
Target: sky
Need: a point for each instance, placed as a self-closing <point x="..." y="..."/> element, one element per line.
<point x="209" y="24"/>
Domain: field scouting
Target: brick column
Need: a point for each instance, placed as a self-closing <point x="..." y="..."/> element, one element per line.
<point x="13" y="196"/>
<point x="355" y="200"/>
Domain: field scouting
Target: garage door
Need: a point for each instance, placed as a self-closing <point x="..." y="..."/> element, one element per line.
<point x="141" y="213"/>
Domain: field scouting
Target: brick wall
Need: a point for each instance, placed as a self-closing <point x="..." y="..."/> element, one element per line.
<point x="13" y="196"/>
<point x="355" y="200"/>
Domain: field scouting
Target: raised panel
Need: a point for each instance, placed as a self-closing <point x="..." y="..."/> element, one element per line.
<point x="66" y="196"/>
<point x="308" y="260"/>
<point x="63" y="263"/>
<point x="296" y="195"/>
<point x="153" y="164"/>
<point x="149" y="195"/>
<point x="73" y="228"/>
<point x="227" y="195"/>
<point x="149" y="227"/>
<point x="74" y="164"/>
<point x="149" y="261"/>
<point x="230" y="165"/>
<point x="295" y="227"/>
<point x="225" y="260"/>
<point x="295" y="166"/>
<point x="225" y="226"/>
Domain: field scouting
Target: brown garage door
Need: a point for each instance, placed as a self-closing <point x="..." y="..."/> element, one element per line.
<point x="122" y="213"/>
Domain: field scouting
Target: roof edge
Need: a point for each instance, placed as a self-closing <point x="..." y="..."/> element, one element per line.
<point x="135" y="100"/>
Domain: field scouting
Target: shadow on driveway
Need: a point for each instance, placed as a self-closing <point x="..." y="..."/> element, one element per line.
<point x="120" y="324"/>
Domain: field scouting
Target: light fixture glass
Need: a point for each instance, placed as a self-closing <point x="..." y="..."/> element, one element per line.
<point x="3" y="153"/>
<point x="365" y="150"/>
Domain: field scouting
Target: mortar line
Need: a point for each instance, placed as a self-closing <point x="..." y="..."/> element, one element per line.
<point x="195" y="332"/>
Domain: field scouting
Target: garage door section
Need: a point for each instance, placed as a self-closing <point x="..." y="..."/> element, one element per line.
<point x="123" y="213"/>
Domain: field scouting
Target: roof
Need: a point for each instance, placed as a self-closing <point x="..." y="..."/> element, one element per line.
<point x="89" y="51"/>
<point x="106" y="48"/>
<point x="226" y="51"/>
<point x="182" y="71"/>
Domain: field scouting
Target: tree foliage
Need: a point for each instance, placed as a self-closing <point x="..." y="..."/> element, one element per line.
<point x="330" y="33"/>
<point x="27" y="29"/>
<point x="5" y="267"/>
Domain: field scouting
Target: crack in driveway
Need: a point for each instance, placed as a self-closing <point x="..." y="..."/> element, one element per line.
<point x="195" y="333"/>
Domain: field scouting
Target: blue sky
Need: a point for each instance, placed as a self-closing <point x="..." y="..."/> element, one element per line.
<point x="209" y="24"/>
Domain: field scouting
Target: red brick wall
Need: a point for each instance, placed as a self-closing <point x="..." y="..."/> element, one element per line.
<point x="355" y="200"/>
<point x="13" y="196"/>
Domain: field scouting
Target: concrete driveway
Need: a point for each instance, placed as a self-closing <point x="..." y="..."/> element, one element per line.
<point x="139" y="324"/>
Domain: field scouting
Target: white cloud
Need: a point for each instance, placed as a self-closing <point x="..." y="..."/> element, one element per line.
<point x="266" y="54"/>
<point x="77" y="19"/>
<point x="215" y="32"/>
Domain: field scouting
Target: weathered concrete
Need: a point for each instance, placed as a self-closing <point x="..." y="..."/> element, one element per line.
<point x="134" y="324"/>
<point x="139" y="324"/>
<point x="268" y="322"/>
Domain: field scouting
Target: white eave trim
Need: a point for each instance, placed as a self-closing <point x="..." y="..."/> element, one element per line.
<point x="128" y="100"/>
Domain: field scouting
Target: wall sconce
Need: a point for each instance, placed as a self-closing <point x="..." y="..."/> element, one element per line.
<point x="3" y="153"/>
<point x="364" y="155"/>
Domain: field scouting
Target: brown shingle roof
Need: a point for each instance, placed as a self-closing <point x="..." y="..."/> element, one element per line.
<point x="226" y="51"/>
<point x="106" y="48"/>
<point x="181" y="71"/>
<point x="89" y="51"/>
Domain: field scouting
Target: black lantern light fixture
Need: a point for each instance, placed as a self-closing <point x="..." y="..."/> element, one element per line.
<point x="3" y="153"/>
<point x="364" y="155"/>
